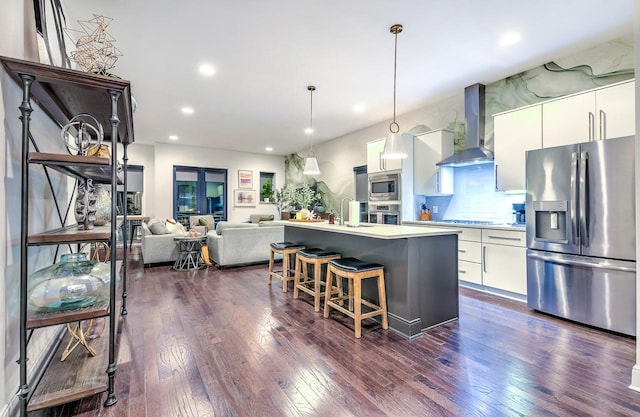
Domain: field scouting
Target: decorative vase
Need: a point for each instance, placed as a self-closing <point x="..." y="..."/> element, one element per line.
<point x="85" y="212"/>
<point x="103" y="204"/>
<point x="319" y="208"/>
<point x="70" y="284"/>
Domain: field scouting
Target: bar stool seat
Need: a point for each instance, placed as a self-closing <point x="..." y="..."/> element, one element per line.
<point x="313" y="286"/>
<point x="286" y="249"/>
<point x="355" y="270"/>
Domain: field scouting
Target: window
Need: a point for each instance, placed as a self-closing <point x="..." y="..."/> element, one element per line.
<point x="264" y="177"/>
<point x="199" y="191"/>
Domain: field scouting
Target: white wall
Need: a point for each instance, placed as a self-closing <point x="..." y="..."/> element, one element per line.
<point x="168" y="155"/>
<point x="17" y="40"/>
<point x="635" y="374"/>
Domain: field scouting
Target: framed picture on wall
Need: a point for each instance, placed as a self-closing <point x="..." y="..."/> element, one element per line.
<point x="245" y="198"/>
<point x="245" y="179"/>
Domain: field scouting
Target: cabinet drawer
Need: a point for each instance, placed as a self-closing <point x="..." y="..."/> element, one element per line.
<point x="470" y="272"/>
<point x="504" y="237"/>
<point x="469" y="251"/>
<point x="470" y="233"/>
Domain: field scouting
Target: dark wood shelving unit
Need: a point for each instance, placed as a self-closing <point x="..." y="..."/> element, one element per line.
<point x="62" y="94"/>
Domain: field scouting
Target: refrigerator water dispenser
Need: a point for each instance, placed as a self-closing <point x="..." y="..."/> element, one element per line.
<point x="551" y="221"/>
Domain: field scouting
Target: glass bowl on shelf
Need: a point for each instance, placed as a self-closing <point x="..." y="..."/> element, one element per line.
<point x="73" y="283"/>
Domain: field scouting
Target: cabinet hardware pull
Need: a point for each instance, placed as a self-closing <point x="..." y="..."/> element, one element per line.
<point x="462" y="271"/>
<point x="462" y="251"/>
<point x="484" y="258"/>
<point x="517" y="239"/>
<point x="495" y="176"/>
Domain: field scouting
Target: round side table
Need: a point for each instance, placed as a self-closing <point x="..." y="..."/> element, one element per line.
<point x="190" y="257"/>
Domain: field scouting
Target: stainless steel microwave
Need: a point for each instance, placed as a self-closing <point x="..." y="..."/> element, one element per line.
<point x="384" y="187"/>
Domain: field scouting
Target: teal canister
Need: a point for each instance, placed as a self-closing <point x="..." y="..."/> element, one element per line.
<point x="73" y="283"/>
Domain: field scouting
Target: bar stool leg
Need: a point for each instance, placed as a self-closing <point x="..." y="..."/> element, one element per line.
<point x="270" y="264"/>
<point x="297" y="276"/>
<point x="285" y="271"/>
<point x="317" y="270"/>
<point x="382" y="301"/>
<point x="358" y="306"/>
<point x="327" y="291"/>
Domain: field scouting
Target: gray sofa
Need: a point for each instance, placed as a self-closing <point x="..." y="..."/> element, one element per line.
<point x="158" y="248"/>
<point x="242" y="243"/>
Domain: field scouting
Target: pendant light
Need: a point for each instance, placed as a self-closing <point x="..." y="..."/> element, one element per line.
<point x="394" y="146"/>
<point x="311" y="163"/>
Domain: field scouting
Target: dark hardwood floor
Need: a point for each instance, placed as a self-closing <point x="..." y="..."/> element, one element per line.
<point x="224" y="343"/>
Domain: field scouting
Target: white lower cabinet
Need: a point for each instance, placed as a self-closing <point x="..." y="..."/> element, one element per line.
<point x="469" y="255"/>
<point x="493" y="260"/>
<point x="504" y="260"/>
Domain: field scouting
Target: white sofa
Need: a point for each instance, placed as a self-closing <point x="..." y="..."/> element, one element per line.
<point x="158" y="248"/>
<point x="242" y="243"/>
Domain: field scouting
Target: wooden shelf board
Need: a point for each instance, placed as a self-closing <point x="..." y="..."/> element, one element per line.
<point x="90" y="167"/>
<point x="79" y="376"/>
<point x="64" y="93"/>
<point x="71" y="234"/>
<point x="36" y="319"/>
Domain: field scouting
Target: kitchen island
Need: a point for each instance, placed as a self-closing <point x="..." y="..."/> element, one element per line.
<point x="420" y="266"/>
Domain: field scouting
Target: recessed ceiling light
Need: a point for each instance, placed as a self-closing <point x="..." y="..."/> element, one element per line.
<point x="509" y="38"/>
<point x="173" y="137"/>
<point x="206" y="69"/>
<point x="268" y="149"/>
<point x="187" y="110"/>
<point x="359" y="108"/>
<point x="308" y="131"/>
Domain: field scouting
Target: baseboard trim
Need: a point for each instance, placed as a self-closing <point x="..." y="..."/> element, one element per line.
<point x="635" y="378"/>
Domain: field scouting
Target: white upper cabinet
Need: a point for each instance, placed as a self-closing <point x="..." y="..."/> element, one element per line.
<point x="515" y="132"/>
<point x="375" y="162"/>
<point x="616" y="111"/>
<point x="429" y="149"/>
<point x="594" y="115"/>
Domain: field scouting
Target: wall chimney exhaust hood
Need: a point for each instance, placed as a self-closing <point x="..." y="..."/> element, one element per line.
<point x="474" y="151"/>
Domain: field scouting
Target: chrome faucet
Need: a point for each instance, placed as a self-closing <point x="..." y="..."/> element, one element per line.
<point x="342" y="211"/>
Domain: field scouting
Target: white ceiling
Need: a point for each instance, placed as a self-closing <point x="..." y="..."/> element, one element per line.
<point x="267" y="52"/>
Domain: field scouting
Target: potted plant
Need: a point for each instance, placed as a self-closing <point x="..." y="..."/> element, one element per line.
<point x="266" y="193"/>
<point x="282" y="198"/>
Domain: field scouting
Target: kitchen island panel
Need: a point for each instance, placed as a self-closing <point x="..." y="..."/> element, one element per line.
<point x="420" y="273"/>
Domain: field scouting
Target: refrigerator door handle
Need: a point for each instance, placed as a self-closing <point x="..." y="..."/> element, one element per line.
<point x="584" y="198"/>
<point x="575" y="262"/>
<point x="603" y="125"/>
<point x="573" y="212"/>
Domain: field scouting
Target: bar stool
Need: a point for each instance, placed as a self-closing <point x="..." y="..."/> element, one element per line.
<point x="316" y="257"/>
<point x="286" y="249"/>
<point x="355" y="271"/>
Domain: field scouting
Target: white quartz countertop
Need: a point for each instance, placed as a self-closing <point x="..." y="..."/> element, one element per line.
<point x="379" y="231"/>
<point x="503" y="226"/>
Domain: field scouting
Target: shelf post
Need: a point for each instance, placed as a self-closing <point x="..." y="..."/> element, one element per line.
<point x="125" y="231"/>
<point x="111" y="369"/>
<point x="25" y="110"/>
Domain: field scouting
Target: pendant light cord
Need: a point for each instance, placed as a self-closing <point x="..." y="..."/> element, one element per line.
<point x="311" y="89"/>
<point x="395" y="29"/>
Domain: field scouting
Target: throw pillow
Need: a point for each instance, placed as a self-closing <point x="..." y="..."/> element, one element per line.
<point x="158" y="228"/>
<point x="204" y="222"/>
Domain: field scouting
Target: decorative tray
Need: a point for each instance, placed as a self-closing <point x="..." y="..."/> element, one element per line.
<point x="307" y="221"/>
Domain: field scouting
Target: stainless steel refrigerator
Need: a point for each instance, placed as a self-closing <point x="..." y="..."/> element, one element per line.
<point x="581" y="236"/>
